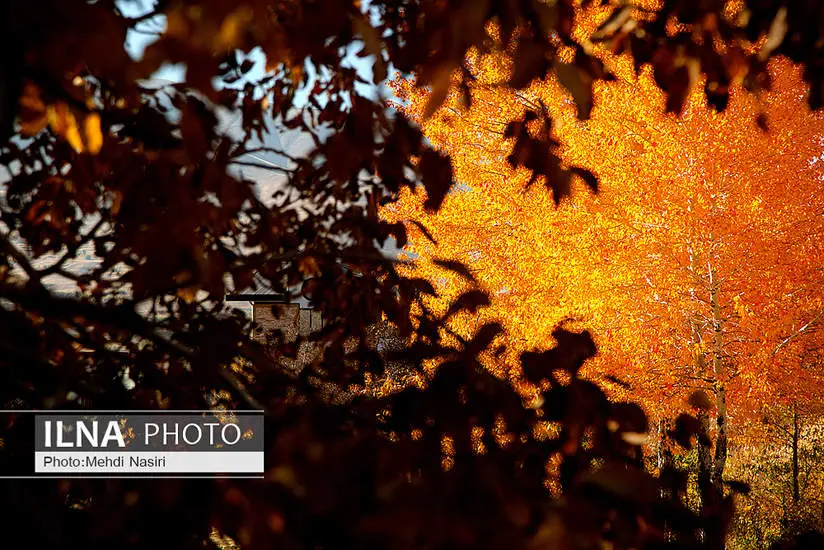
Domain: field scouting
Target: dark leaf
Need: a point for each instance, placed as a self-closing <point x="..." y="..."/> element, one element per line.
<point x="569" y="355"/>
<point x="455" y="267"/>
<point x="677" y="86"/>
<point x="436" y="173"/>
<point x="379" y="70"/>
<point x="246" y="66"/>
<point x="739" y="487"/>
<point x="530" y="62"/>
<point x="762" y="122"/>
<point x="469" y="301"/>
<point x="398" y="231"/>
<point x="589" y="178"/>
<point x="579" y="85"/>
<point x="623" y="482"/>
<point x="630" y="418"/>
<point x="700" y="400"/>
<point x="484" y="337"/>
<point x="422" y="228"/>
<point x="422" y="285"/>
<point x="686" y="428"/>
<point x="440" y="89"/>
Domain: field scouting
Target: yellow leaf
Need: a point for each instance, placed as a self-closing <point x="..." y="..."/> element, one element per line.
<point x="94" y="136"/>
<point x="73" y="136"/>
<point x="57" y="118"/>
<point x="64" y="124"/>
<point x="187" y="294"/>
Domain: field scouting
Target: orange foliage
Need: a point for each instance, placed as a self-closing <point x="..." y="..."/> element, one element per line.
<point x="692" y="212"/>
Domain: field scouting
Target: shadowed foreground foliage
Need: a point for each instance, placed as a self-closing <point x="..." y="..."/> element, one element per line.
<point x="147" y="180"/>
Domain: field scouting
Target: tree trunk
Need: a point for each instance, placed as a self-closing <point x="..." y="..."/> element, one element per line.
<point x="796" y="434"/>
<point x="704" y="461"/>
<point x="665" y="464"/>
<point x="664" y="452"/>
<point x="703" y="470"/>
<point x="708" y="509"/>
<point x="720" y="459"/>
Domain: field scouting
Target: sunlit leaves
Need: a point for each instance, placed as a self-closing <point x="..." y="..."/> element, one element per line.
<point x="631" y="262"/>
<point x="83" y="135"/>
<point x="93" y="133"/>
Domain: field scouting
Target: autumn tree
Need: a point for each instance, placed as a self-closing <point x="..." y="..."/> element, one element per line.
<point x="695" y="263"/>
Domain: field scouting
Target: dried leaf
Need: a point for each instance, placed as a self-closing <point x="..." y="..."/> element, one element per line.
<point x="455" y="267"/>
<point x="440" y="89"/>
<point x="93" y="134"/>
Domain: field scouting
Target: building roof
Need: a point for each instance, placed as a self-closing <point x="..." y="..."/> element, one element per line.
<point x="261" y="292"/>
<point x="256" y="297"/>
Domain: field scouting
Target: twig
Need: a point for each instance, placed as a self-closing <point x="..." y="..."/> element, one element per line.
<point x="798" y="332"/>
